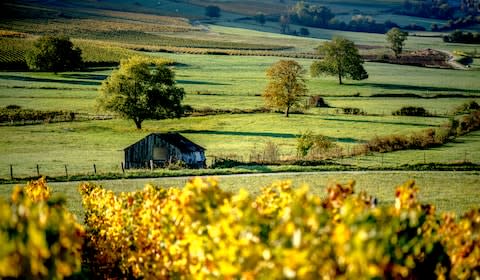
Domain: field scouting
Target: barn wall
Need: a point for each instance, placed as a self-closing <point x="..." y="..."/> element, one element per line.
<point x="139" y="154"/>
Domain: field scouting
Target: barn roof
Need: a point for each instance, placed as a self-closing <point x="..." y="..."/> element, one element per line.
<point x="177" y="140"/>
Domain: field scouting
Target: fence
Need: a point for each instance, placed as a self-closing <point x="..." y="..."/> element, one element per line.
<point x="390" y="160"/>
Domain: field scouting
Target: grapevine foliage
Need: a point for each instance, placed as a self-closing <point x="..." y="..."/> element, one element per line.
<point x="39" y="238"/>
<point x="203" y="232"/>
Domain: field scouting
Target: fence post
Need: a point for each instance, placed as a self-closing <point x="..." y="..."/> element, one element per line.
<point x="11" y="171"/>
<point x="94" y="169"/>
<point x="66" y="171"/>
<point x="38" y="171"/>
<point x="151" y="165"/>
<point x="123" y="168"/>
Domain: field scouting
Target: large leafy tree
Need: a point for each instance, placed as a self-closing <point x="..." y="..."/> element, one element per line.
<point x="396" y="38"/>
<point x="286" y="85"/>
<point x="141" y="90"/>
<point x="54" y="53"/>
<point x="341" y="58"/>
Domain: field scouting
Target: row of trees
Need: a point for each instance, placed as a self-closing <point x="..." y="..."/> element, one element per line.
<point x="462" y="37"/>
<point x="321" y="16"/>
<point x="439" y="9"/>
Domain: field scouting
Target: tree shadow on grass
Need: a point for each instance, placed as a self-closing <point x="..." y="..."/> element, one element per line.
<point x="188" y="82"/>
<point x="265" y="134"/>
<point x="97" y="77"/>
<point x="380" y="122"/>
<point x="414" y="88"/>
<point x="47" y="80"/>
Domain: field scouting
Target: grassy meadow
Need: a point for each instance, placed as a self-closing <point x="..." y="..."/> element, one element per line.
<point x="448" y="191"/>
<point x="237" y="83"/>
<point x="217" y="82"/>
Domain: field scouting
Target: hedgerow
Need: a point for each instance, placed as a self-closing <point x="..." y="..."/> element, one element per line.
<point x="204" y="232"/>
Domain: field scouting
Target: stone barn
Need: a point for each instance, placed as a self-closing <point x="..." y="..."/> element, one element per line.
<point x="162" y="148"/>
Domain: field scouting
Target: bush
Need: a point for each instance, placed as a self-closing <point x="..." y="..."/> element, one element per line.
<point x="39" y="238"/>
<point x="14" y="113"/>
<point x="467" y="107"/>
<point x="212" y="11"/>
<point x="353" y="111"/>
<point x="55" y="54"/>
<point x="204" y="232"/>
<point x="13" y="107"/>
<point x="317" y="101"/>
<point x="313" y="145"/>
<point x="412" y="111"/>
<point x="304" y="31"/>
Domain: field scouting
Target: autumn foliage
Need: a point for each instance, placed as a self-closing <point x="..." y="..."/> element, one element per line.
<point x="39" y="237"/>
<point x="203" y="232"/>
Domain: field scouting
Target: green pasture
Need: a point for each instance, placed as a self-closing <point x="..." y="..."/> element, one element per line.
<point x="239" y="75"/>
<point x="79" y="145"/>
<point x="226" y="82"/>
<point x="448" y="191"/>
<point x="238" y="81"/>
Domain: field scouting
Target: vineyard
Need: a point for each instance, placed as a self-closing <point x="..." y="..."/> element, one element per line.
<point x="94" y="53"/>
<point x="203" y="232"/>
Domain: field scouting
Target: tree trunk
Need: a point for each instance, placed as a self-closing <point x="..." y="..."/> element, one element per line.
<point x="340" y="78"/>
<point x="287" y="110"/>
<point x="138" y="123"/>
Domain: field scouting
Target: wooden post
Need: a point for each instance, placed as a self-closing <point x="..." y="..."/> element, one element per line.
<point x="66" y="171"/>
<point x="38" y="171"/>
<point x="151" y="165"/>
<point x="123" y="168"/>
<point x="94" y="169"/>
<point x="11" y="171"/>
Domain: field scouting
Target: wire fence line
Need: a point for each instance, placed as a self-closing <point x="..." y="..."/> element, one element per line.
<point x="370" y="161"/>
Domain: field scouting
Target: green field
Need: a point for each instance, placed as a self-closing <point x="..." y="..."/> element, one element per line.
<point x="448" y="191"/>
<point x="237" y="84"/>
<point x="239" y="80"/>
<point x="219" y="82"/>
<point x="79" y="145"/>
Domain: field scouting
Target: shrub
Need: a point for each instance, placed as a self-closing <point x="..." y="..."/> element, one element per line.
<point x="313" y="145"/>
<point x="271" y="152"/>
<point x="212" y="11"/>
<point x="317" y="101"/>
<point x="412" y="111"/>
<point x="14" y="113"/>
<point x="13" y="107"/>
<point x="353" y="111"/>
<point x="469" y="123"/>
<point x="467" y="107"/>
<point x="39" y="238"/>
<point x="304" y="31"/>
